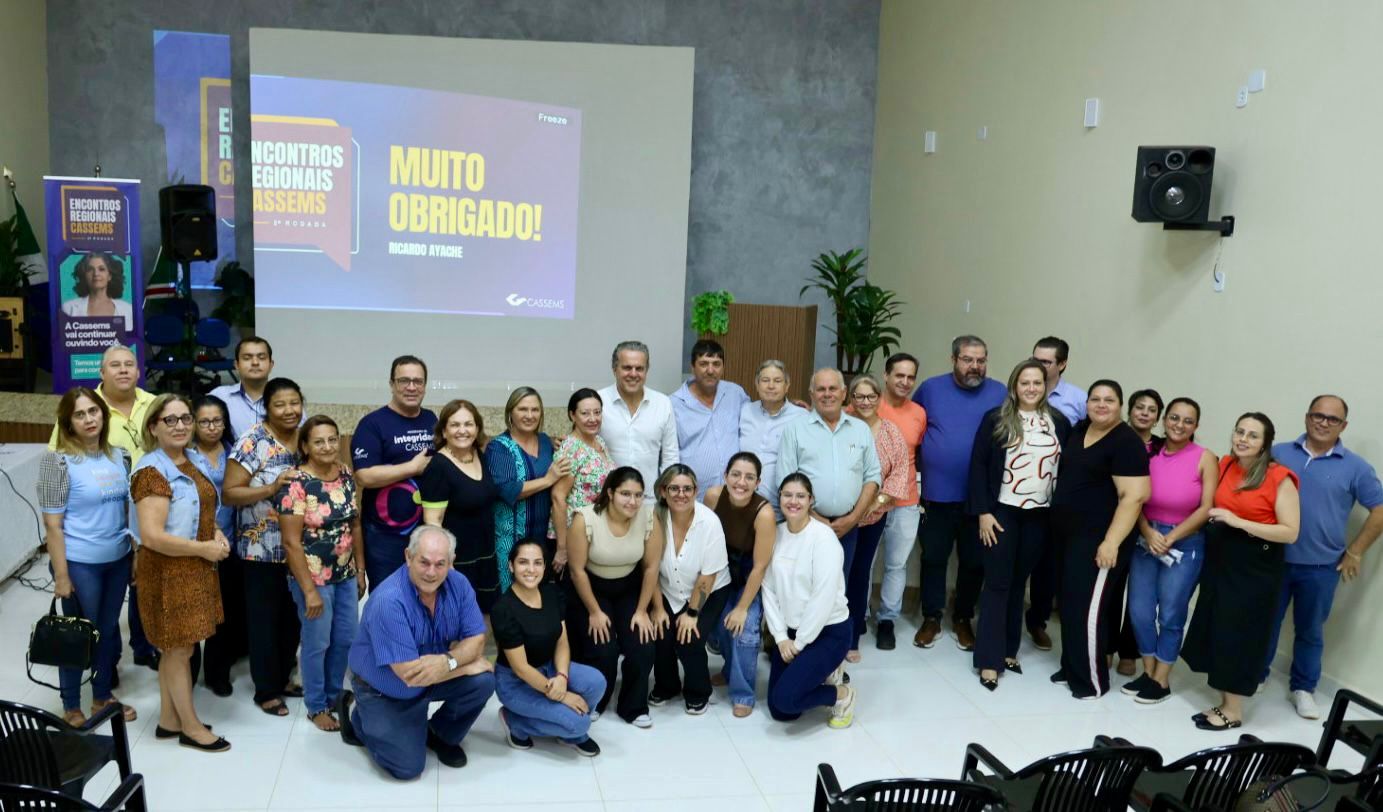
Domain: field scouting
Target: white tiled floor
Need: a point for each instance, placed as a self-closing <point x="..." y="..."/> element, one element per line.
<point x="917" y="711"/>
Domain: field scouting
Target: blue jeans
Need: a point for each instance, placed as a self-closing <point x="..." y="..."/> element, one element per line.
<point x="394" y="731"/>
<point x="1311" y="590"/>
<point x="1158" y="595"/>
<point x="859" y="577"/>
<point x="741" y="668"/>
<point x="326" y="642"/>
<point x="900" y="533"/>
<point x="98" y="592"/>
<point x="533" y="714"/>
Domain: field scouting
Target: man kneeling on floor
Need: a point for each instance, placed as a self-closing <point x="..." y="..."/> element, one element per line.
<point x="421" y="639"/>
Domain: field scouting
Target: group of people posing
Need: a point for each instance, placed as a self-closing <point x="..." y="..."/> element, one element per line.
<point x="605" y="565"/>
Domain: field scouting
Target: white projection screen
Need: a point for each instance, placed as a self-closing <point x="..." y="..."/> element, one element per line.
<point x="507" y="211"/>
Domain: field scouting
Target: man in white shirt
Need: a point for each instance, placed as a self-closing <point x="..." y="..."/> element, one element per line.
<point x="638" y="426"/>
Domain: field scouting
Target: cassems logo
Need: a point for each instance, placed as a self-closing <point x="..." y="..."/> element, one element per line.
<point x="515" y="300"/>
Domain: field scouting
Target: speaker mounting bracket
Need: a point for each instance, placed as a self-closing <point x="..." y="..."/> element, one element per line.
<point x="1225" y="225"/>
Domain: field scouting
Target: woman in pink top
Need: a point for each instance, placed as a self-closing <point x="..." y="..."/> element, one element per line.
<point x="1167" y="561"/>
<point x="893" y="450"/>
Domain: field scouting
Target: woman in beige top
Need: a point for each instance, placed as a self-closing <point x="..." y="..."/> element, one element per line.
<point x="613" y="549"/>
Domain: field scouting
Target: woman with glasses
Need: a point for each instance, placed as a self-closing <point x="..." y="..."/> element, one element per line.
<point x="228" y="644"/>
<point x="83" y="490"/>
<point x="614" y="547"/>
<point x="694" y="577"/>
<point x="319" y="517"/>
<point x="893" y="451"/>
<point x="1144" y="410"/>
<point x="458" y="493"/>
<point x="522" y="464"/>
<point x="179" y="547"/>
<point x="262" y="462"/>
<point x="590" y="462"/>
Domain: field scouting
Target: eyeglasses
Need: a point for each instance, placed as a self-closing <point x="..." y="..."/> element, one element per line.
<point x="1328" y="419"/>
<point x="966" y="360"/>
<point x="174" y="419"/>
<point x="211" y="423"/>
<point x="411" y="383"/>
<point x="681" y="489"/>
<point x="863" y="397"/>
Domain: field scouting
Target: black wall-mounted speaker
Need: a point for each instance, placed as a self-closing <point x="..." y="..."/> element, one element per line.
<point x="187" y="216"/>
<point x="1172" y="184"/>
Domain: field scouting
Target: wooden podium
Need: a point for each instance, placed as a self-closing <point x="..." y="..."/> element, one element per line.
<point x="760" y="332"/>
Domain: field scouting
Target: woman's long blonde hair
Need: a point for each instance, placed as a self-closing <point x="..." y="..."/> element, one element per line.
<point x="1008" y="429"/>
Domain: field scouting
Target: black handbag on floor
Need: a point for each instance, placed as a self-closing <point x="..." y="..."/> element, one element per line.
<point x="62" y="641"/>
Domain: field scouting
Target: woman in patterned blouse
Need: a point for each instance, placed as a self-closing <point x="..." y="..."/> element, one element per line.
<point x="590" y="463"/>
<point x="320" y="524"/>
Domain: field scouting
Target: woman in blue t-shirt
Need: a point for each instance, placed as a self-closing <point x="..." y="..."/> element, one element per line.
<point x="211" y="436"/>
<point x="84" y="492"/>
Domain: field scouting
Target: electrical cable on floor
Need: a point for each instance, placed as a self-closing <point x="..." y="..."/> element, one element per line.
<point x="20" y="576"/>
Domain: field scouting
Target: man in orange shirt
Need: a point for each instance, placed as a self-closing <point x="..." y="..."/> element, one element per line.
<point x="900" y="528"/>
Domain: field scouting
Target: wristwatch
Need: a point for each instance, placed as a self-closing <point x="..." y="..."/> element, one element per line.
<point x="451" y="663"/>
<point x="692" y="613"/>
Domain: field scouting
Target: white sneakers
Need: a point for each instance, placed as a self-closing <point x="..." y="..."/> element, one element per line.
<point x="643" y="720"/>
<point x="843" y="712"/>
<point x="837" y="676"/>
<point x="1305" y="702"/>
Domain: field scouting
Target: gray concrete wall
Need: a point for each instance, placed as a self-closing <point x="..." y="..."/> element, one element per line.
<point x="783" y="109"/>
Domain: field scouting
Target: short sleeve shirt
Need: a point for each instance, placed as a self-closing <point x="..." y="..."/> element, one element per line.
<point x="327" y="509"/>
<point x="1086" y="482"/>
<point x="258" y="537"/>
<point x="515" y="624"/>
<point x="385" y="437"/>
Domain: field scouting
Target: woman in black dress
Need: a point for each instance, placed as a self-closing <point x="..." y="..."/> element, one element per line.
<point x="1099" y="494"/>
<point x="457" y="493"/>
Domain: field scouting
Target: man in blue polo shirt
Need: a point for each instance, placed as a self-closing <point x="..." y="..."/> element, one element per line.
<point x="1332" y="478"/>
<point x="955" y="403"/>
<point x="421" y="639"/>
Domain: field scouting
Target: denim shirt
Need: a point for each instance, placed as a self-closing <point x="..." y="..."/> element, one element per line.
<point x="185" y="507"/>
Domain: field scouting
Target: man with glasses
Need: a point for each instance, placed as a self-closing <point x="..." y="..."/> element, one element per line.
<point x="1333" y="479"/>
<point x="128" y="403"/>
<point x="1062" y="395"/>
<point x="389" y="450"/>
<point x="254" y="361"/>
<point x="955" y="403"/>
<point x="836" y="452"/>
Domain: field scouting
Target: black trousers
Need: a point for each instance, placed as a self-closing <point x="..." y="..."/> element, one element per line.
<point x="271" y="622"/>
<point x="228" y="644"/>
<point x="695" y="687"/>
<point x="1088" y="616"/>
<point x="1042" y="586"/>
<point x="946" y="526"/>
<point x="618" y="598"/>
<point x="1120" y="640"/>
<point x="1026" y="536"/>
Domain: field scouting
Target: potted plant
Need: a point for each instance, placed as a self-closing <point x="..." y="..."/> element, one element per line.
<point x="238" y="296"/>
<point x="863" y="310"/>
<point x="711" y="312"/>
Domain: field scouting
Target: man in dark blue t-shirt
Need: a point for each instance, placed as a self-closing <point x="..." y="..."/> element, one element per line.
<point x="956" y="402"/>
<point x="389" y="450"/>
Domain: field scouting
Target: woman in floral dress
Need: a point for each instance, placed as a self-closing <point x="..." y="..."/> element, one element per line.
<point x="590" y="463"/>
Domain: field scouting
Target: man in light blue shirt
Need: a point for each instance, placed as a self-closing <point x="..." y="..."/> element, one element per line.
<point x="1062" y="395"/>
<point x="254" y="362"/>
<point x="1333" y="479"/>
<point x="762" y="423"/>
<point x="707" y="412"/>
<point x="836" y="452"/>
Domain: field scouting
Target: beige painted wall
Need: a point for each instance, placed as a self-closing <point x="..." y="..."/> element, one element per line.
<point x="1032" y="226"/>
<point x="24" y="105"/>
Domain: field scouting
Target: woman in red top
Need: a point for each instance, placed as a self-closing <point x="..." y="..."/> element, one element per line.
<point x="1257" y="512"/>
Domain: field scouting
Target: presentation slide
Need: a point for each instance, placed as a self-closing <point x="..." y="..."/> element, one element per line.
<point x="381" y="197"/>
<point x="508" y="211"/>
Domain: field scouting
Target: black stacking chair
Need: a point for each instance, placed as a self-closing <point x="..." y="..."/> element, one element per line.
<point x="1100" y="779"/>
<point x="39" y="749"/>
<point x="1217" y="776"/>
<point x="903" y="795"/>
<point x="129" y="796"/>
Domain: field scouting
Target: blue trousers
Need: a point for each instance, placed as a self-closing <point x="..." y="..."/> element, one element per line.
<point x="326" y="642"/>
<point x="98" y="592"/>
<point x="741" y="668"/>
<point x="859" y="578"/>
<point x="797" y="686"/>
<point x="383" y="553"/>
<point x="1310" y="588"/>
<point x="533" y="714"/>
<point x="1159" y="596"/>
<point x="395" y="730"/>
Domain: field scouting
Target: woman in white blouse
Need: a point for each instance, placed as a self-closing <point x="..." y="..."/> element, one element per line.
<point x="694" y="576"/>
<point x="804" y="605"/>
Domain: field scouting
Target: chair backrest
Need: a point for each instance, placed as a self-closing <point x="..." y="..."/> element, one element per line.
<point x="1219" y="775"/>
<point x="213" y="333"/>
<point x="162" y="331"/>
<point x="920" y="795"/>
<point x="20" y="797"/>
<point x="26" y="749"/>
<point x="1096" y="780"/>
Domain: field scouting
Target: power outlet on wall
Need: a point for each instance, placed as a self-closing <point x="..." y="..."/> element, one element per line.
<point x="1241" y="99"/>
